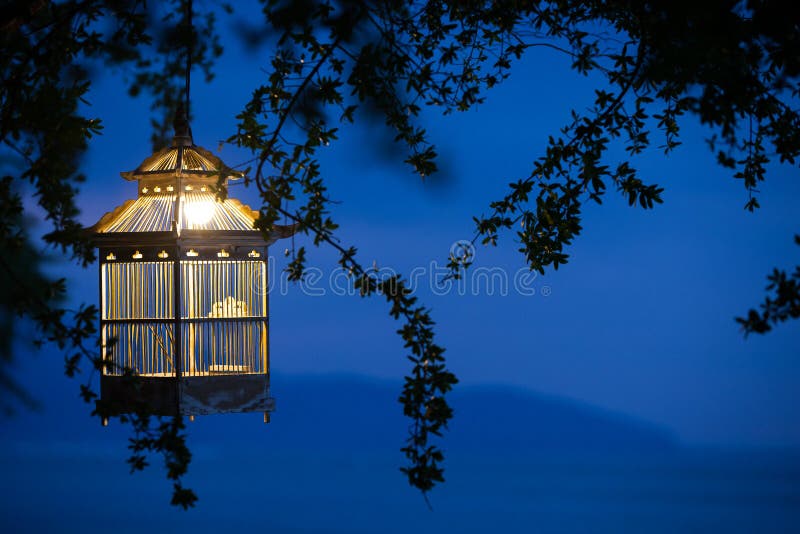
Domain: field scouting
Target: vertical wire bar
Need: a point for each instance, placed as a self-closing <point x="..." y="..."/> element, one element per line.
<point x="152" y="339"/>
<point x="135" y="288"/>
<point x="219" y="357"/>
<point x="224" y="340"/>
<point x="201" y="278"/>
<point x="247" y="356"/>
<point x="145" y="287"/>
<point x="188" y="306"/>
<point x="197" y="311"/>
<point x="198" y="327"/>
<point x="265" y="324"/>
<point x="224" y="294"/>
<point x="209" y="333"/>
<point x="103" y="312"/>
<point x="131" y="332"/>
<point x="122" y="281"/>
<point x="177" y="329"/>
<point x="192" y="296"/>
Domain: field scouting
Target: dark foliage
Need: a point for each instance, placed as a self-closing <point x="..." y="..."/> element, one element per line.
<point x="781" y="304"/>
<point x="734" y="65"/>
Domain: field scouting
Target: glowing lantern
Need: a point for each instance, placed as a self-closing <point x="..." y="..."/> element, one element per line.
<point x="183" y="290"/>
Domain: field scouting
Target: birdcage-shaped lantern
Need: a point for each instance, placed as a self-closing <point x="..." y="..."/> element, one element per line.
<point x="184" y="312"/>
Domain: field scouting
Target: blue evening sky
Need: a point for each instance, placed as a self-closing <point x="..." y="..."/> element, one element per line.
<point x="640" y="321"/>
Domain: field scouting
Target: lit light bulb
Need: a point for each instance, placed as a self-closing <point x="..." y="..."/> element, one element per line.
<point x="200" y="212"/>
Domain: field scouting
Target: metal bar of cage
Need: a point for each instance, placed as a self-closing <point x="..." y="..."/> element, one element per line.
<point x="212" y="309"/>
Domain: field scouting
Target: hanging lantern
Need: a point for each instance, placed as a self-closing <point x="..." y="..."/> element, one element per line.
<point x="183" y="290"/>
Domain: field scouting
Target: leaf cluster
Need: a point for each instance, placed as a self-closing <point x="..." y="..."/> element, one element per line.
<point x="781" y="304"/>
<point x="732" y="64"/>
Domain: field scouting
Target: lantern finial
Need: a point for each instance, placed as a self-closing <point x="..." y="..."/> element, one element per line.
<point x="183" y="132"/>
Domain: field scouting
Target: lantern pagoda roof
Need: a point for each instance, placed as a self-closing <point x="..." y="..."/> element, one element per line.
<point x="177" y="200"/>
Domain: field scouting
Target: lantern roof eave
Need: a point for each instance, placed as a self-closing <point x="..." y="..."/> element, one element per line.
<point x="190" y="238"/>
<point x="153" y="219"/>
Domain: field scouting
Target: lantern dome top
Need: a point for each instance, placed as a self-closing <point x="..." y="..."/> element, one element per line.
<point x="182" y="158"/>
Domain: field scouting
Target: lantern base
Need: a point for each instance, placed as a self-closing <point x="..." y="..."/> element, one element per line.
<point x="189" y="395"/>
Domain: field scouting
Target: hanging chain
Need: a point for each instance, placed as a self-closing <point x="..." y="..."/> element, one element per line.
<point x="189" y="42"/>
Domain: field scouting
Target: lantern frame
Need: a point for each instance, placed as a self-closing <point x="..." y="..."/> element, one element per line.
<point x="152" y="242"/>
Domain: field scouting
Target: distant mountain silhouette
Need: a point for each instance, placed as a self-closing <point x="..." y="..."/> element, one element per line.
<point x="354" y="412"/>
<point x="335" y="412"/>
<point x="510" y="418"/>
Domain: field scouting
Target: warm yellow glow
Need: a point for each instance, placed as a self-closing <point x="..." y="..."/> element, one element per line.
<point x="138" y="299"/>
<point x="163" y="254"/>
<point x="137" y="255"/>
<point x="188" y="187"/>
<point x="200" y="212"/>
<point x="156" y="189"/>
<point x="111" y="256"/>
<point x="254" y="254"/>
<point x="229" y="307"/>
<point x="223" y="254"/>
<point x="170" y="188"/>
<point x="145" y="190"/>
<point x="192" y="253"/>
